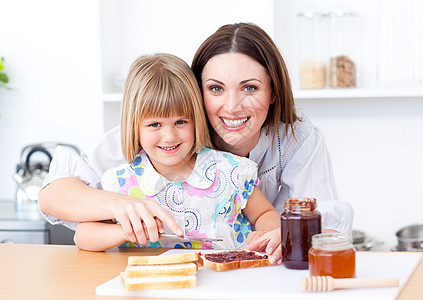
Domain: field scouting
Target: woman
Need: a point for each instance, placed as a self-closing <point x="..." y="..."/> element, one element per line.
<point x="250" y="107"/>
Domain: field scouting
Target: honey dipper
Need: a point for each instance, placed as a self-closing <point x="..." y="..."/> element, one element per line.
<point x="327" y="283"/>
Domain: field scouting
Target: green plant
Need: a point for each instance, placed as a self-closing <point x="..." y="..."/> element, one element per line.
<point x="3" y="77"/>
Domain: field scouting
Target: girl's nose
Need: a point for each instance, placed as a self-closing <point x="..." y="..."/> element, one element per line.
<point x="168" y="134"/>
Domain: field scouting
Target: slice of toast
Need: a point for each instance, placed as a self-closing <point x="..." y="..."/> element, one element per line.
<point x="158" y="283"/>
<point x="235" y="259"/>
<point x="163" y="259"/>
<point x="182" y="269"/>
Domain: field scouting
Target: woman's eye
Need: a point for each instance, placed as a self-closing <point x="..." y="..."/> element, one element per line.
<point x="250" y="88"/>
<point x="216" y="89"/>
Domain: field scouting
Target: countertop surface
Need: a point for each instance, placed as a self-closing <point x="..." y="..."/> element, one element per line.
<point x="64" y="272"/>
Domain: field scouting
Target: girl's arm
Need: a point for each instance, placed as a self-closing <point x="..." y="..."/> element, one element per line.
<point x="98" y="236"/>
<point x="260" y="212"/>
<point x="70" y="199"/>
<point x="266" y="221"/>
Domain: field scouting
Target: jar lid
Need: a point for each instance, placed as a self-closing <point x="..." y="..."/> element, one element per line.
<point x="311" y="14"/>
<point x="301" y="204"/>
<point x="331" y="241"/>
<point x="340" y="11"/>
<point x="312" y="11"/>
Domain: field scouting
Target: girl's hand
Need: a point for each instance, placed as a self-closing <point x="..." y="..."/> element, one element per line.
<point x="270" y="242"/>
<point x="142" y="220"/>
<point x="252" y="236"/>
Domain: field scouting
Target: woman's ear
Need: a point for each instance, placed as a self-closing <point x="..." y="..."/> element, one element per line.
<point x="273" y="99"/>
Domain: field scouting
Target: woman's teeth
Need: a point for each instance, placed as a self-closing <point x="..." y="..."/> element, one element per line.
<point x="234" y="123"/>
<point x="169" y="148"/>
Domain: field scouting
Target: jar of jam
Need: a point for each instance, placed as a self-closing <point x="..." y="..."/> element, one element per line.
<point x="299" y="222"/>
<point x="332" y="254"/>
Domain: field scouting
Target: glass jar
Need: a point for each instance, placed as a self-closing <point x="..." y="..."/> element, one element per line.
<point x="299" y="222"/>
<point x="418" y="43"/>
<point x="344" y="32"/>
<point x="332" y="254"/>
<point x="395" y="66"/>
<point x="313" y="47"/>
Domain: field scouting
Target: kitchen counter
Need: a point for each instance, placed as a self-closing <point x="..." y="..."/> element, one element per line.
<point x="64" y="272"/>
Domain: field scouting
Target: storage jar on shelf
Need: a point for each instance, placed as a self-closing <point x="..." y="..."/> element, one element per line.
<point x="313" y="47"/>
<point x="344" y="43"/>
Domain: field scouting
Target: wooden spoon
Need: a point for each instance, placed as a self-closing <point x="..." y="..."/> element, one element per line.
<point x="327" y="283"/>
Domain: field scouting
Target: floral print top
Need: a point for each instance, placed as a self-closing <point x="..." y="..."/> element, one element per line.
<point x="207" y="204"/>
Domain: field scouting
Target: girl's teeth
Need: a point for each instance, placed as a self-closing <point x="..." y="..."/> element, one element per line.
<point x="171" y="148"/>
<point x="234" y="123"/>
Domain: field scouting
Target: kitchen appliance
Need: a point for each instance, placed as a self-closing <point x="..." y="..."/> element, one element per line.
<point x="30" y="174"/>
<point x="363" y="242"/>
<point x="410" y="238"/>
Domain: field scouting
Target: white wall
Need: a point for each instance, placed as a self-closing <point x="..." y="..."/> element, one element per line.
<point x="138" y="27"/>
<point x="376" y="147"/>
<point x="52" y="58"/>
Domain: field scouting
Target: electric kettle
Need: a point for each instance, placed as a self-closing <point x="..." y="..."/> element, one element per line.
<point x="30" y="175"/>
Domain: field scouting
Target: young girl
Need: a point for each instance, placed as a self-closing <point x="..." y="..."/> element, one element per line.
<point x="165" y="139"/>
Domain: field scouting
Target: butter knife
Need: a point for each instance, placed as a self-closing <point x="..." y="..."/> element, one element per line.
<point x="190" y="238"/>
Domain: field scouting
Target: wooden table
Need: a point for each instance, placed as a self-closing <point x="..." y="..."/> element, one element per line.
<point x="64" y="272"/>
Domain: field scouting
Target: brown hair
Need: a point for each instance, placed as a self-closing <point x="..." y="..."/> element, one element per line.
<point x="251" y="40"/>
<point x="160" y="85"/>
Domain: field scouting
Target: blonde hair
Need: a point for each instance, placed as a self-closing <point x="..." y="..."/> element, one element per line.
<point x="160" y="85"/>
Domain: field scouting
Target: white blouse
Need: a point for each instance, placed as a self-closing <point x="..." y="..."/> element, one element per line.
<point x="296" y="165"/>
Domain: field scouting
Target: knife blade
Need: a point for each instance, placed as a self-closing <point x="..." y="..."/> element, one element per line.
<point x="191" y="238"/>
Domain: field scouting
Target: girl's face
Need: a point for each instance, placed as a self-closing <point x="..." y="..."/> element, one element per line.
<point x="237" y="95"/>
<point x="168" y="143"/>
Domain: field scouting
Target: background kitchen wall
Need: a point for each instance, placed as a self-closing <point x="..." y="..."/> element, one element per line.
<point x="67" y="59"/>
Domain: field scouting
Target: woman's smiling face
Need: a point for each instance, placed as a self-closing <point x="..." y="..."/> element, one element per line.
<point x="237" y="95"/>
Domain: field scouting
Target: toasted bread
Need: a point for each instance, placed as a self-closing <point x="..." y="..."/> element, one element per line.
<point x="158" y="283"/>
<point x="236" y="259"/>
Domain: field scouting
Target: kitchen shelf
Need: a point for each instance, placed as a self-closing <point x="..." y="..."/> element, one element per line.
<point x="416" y="92"/>
<point x="326" y="94"/>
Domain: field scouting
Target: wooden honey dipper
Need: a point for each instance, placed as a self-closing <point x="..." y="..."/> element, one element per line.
<point x="327" y="283"/>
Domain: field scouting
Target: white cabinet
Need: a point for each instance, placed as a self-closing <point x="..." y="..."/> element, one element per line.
<point x="131" y="28"/>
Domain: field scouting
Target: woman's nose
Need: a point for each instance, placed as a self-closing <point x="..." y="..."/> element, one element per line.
<point x="234" y="103"/>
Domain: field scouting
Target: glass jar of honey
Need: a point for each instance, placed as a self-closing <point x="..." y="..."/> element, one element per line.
<point x="299" y="222"/>
<point x="332" y="254"/>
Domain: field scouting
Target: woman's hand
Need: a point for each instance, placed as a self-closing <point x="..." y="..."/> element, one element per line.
<point x="269" y="242"/>
<point x="142" y="220"/>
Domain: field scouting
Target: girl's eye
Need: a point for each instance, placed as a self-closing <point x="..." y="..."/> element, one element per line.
<point x="154" y="125"/>
<point x="250" y="88"/>
<point x="216" y="89"/>
<point x="180" y="122"/>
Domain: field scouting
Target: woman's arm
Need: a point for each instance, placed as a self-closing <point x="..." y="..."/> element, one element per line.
<point x="71" y="199"/>
<point x="307" y="171"/>
<point x="98" y="236"/>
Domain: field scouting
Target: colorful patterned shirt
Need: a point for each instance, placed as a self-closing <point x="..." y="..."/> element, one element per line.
<point x="207" y="204"/>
